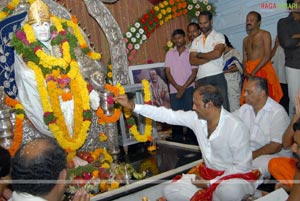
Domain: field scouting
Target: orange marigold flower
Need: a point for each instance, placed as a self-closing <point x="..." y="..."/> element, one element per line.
<point x="84" y="45"/>
<point x="56" y="73"/>
<point x="151" y="148"/>
<point x="74" y="19"/>
<point x="66" y="96"/>
<point x="10" y="7"/>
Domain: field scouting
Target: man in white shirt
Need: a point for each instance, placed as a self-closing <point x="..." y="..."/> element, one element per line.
<point x="207" y="53"/>
<point x="223" y="140"/>
<point x="267" y="121"/>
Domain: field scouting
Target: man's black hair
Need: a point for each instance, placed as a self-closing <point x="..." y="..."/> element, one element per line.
<point x="178" y="31"/>
<point x="5" y="162"/>
<point x="38" y="175"/>
<point x="258" y="16"/>
<point x="227" y="42"/>
<point x="261" y="83"/>
<point x="194" y="24"/>
<point x="210" y="93"/>
<point x="207" y="13"/>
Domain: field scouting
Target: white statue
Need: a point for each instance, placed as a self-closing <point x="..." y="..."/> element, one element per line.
<point x="31" y="91"/>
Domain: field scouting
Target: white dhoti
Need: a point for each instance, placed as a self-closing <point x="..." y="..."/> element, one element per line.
<point x="228" y="190"/>
<point x="261" y="163"/>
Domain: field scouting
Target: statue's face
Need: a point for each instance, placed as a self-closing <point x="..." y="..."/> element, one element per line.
<point x="42" y="31"/>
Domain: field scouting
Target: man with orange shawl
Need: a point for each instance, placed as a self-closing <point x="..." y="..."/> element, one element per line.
<point x="256" y="56"/>
<point x="284" y="169"/>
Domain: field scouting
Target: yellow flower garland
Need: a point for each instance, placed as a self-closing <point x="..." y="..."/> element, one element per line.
<point x="50" y="93"/>
<point x="77" y="32"/>
<point x="147" y="135"/>
<point x="59" y="129"/>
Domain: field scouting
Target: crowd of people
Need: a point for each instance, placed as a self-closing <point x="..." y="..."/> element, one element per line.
<point x="231" y="104"/>
<point x="258" y="88"/>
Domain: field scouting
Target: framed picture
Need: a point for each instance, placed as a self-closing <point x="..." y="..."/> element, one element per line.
<point x="155" y="74"/>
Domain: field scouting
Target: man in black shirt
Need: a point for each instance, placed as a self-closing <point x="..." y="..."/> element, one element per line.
<point x="288" y="31"/>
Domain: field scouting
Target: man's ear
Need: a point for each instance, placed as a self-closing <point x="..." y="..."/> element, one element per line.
<point x="63" y="174"/>
<point x="259" y="23"/>
<point x="209" y="104"/>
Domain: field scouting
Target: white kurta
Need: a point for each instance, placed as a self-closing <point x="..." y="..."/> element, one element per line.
<point x="24" y="197"/>
<point x="227" y="149"/>
<point x="206" y="44"/>
<point x="267" y="126"/>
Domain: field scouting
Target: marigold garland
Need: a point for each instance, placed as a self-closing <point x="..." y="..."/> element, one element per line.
<point x="102" y="118"/>
<point x="96" y="154"/>
<point x="18" y="132"/>
<point x="62" y="78"/>
<point x="147" y="135"/>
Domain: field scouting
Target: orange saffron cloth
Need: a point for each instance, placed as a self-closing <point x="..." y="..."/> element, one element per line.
<point x="267" y="72"/>
<point x="283" y="169"/>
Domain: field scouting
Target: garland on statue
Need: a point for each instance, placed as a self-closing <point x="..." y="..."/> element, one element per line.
<point x="102" y="118"/>
<point x="59" y="77"/>
<point x="147" y="135"/>
<point x="19" y="123"/>
<point x="119" y="89"/>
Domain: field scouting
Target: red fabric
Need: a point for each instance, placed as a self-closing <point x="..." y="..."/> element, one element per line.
<point x="177" y="177"/>
<point x="208" y="174"/>
<point x="90" y="87"/>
